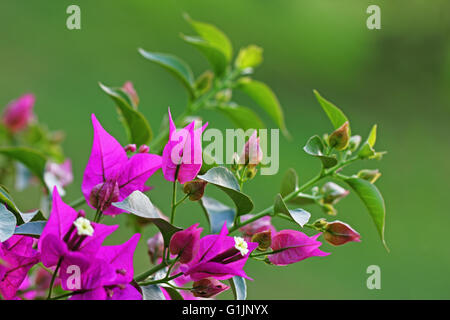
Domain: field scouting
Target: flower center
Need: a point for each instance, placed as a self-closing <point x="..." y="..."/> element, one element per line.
<point x="84" y="227"/>
<point x="241" y="245"/>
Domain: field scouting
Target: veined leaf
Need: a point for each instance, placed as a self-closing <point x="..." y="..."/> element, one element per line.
<point x="217" y="214"/>
<point x="34" y="160"/>
<point x="7" y="223"/>
<point x="316" y="148"/>
<point x="374" y="202"/>
<point x="213" y="36"/>
<point x="300" y="216"/>
<point x="243" y="117"/>
<point x="289" y="183"/>
<point x="140" y="205"/>
<point x="336" y="116"/>
<point x="176" y="66"/>
<point x="222" y="178"/>
<point x="136" y="125"/>
<point x="215" y="56"/>
<point x="266" y="99"/>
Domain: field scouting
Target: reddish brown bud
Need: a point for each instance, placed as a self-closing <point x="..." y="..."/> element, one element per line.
<point x="207" y="288"/>
<point x="332" y="193"/>
<point x="340" y="137"/>
<point x="195" y="189"/>
<point x="264" y="239"/>
<point x="338" y="233"/>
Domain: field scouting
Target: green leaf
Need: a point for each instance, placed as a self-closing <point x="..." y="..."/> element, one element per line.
<point x="213" y="36"/>
<point x="6" y="199"/>
<point x="374" y="202"/>
<point x="173" y="293"/>
<point x="7" y="223"/>
<point x="249" y="57"/>
<point x="289" y="183"/>
<point x="372" y="136"/>
<point x="33" y="229"/>
<point x="137" y="126"/>
<point x="140" y="205"/>
<point x="217" y="214"/>
<point x="239" y="288"/>
<point x="152" y="292"/>
<point x="303" y="199"/>
<point x="336" y="116"/>
<point x="243" y="117"/>
<point x="34" y="160"/>
<point x="176" y="66"/>
<point x="300" y="216"/>
<point x="266" y="99"/>
<point x="224" y="179"/>
<point x="215" y="56"/>
<point x="367" y="150"/>
<point x="316" y="148"/>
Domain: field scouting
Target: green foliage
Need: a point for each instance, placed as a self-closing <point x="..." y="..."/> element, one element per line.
<point x="136" y="125"/>
<point x="316" y="148"/>
<point x="336" y="116"/>
<point x="239" y="288"/>
<point x="300" y="216"/>
<point x="217" y="214"/>
<point x="224" y="179"/>
<point x="152" y="292"/>
<point x="243" y="117"/>
<point x="34" y="160"/>
<point x="7" y="223"/>
<point x="289" y="183"/>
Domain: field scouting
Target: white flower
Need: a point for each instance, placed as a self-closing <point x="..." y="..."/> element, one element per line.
<point x="84" y="227"/>
<point x="241" y="245"/>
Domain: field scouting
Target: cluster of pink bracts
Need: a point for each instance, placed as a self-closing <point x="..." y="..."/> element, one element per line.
<point x="70" y="239"/>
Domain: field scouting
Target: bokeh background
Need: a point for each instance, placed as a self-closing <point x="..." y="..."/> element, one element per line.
<point x="397" y="77"/>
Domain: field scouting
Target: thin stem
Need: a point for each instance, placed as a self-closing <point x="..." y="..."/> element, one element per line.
<point x="270" y="252"/>
<point x="174" y="196"/>
<point x="151" y="271"/>
<point x="68" y="294"/>
<point x="58" y="265"/>
<point x="166" y="279"/>
<point x="98" y="215"/>
<point x="78" y="202"/>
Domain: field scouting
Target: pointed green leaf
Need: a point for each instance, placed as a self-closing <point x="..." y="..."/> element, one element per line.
<point x="32" y="229"/>
<point x="316" y="148"/>
<point x="239" y="288"/>
<point x="336" y="116"/>
<point x="243" y="117"/>
<point x="372" y="136"/>
<point x="215" y="56"/>
<point x="6" y="199"/>
<point x="136" y="125"/>
<point x="266" y="99"/>
<point x="300" y="216"/>
<point x="176" y="66"/>
<point x="217" y="214"/>
<point x="34" y="160"/>
<point x="173" y="293"/>
<point x="7" y="223"/>
<point x="224" y="179"/>
<point x="140" y="205"/>
<point x="374" y="202"/>
<point x="213" y="36"/>
<point x="289" y="183"/>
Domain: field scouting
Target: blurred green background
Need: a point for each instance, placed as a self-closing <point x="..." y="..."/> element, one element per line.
<point x="397" y="77"/>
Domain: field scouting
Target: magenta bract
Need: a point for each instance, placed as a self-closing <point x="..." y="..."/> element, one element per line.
<point x="19" y="113"/>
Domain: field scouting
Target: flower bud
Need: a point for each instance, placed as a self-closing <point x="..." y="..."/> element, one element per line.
<point x="103" y="194"/>
<point x="333" y="193"/>
<point x="155" y="247"/>
<point x="251" y="154"/>
<point x="369" y="175"/>
<point x="131" y="92"/>
<point x="250" y="173"/>
<point x="224" y="95"/>
<point x="249" y="57"/>
<point x="130" y="148"/>
<point x="207" y="288"/>
<point x="144" y="149"/>
<point x="354" y="143"/>
<point x="264" y="239"/>
<point x="195" y="189"/>
<point x="320" y="224"/>
<point x="185" y="243"/>
<point x="340" y="137"/>
<point x="19" y="113"/>
<point x="257" y="226"/>
<point x="204" y="82"/>
<point x="329" y="209"/>
<point x="338" y="233"/>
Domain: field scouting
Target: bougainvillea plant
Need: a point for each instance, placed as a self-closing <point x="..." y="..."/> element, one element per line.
<point x="57" y="251"/>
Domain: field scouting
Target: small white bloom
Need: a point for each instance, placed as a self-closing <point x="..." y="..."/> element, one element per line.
<point x="84" y="227"/>
<point x="241" y="245"/>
